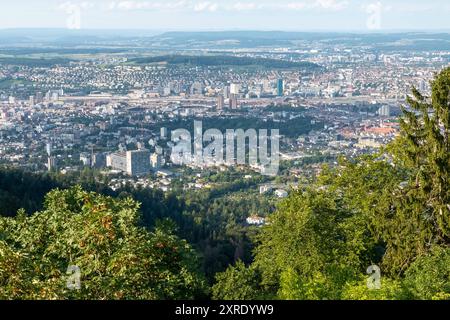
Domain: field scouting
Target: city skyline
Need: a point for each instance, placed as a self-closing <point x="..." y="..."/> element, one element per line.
<point x="289" y="15"/>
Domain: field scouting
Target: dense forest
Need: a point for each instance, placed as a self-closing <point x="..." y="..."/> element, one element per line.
<point x="211" y="220"/>
<point x="376" y="227"/>
<point x="30" y="62"/>
<point x="226" y="61"/>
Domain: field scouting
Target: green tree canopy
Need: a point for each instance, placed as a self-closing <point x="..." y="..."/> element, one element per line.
<point x="429" y="276"/>
<point x="101" y="236"/>
<point x="237" y="283"/>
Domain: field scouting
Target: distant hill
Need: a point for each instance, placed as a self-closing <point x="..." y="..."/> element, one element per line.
<point x="139" y="39"/>
<point x="282" y="36"/>
<point x="247" y="35"/>
<point x="399" y="41"/>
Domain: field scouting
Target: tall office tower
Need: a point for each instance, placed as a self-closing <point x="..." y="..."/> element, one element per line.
<point x="99" y="160"/>
<point x="51" y="163"/>
<point x="233" y="102"/>
<point x="156" y="161"/>
<point x="220" y="102"/>
<point x="163" y="133"/>
<point x="138" y="162"/>
<point x="39" y="97"/>
<point x="55" y="95"/>
<point x="267" y="86"/>
<point x="52" y="95"/>
<point x="226" y="92"/>
<point x="234" y="88"/>
<point x="422" y="85"/>
<point x="31" y="101"/>
<point x="385" y="111"/>
<point x="280" y="87"/>
<point x="48" y="148"/>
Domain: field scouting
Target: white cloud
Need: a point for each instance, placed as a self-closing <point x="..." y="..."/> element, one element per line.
<point x="145" y="5"/>
<point x="374" y="11"/>
<point x="229" y="5"/>
<point x="206" y="6"/>
<point x="296" y="5"/>
<point x="331" y="4"/>
<point x="87" y="5"/>
<point x="70" y="5"/>
<point x="73" y="10"/>
<point x="242" y="6"/>
<point x="132" y="5"/>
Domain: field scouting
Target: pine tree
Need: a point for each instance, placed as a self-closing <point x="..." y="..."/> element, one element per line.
<point x="420" y="215"/>
<point x="426" y="129"/>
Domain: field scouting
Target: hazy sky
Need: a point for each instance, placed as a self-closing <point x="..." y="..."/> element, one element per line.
<point x="334" y="15"/>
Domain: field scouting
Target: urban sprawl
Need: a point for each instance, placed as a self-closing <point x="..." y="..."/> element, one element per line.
<point x="114" y="114"/>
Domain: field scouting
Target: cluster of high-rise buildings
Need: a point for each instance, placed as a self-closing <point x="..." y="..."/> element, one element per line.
<point x="134" y="163"/>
